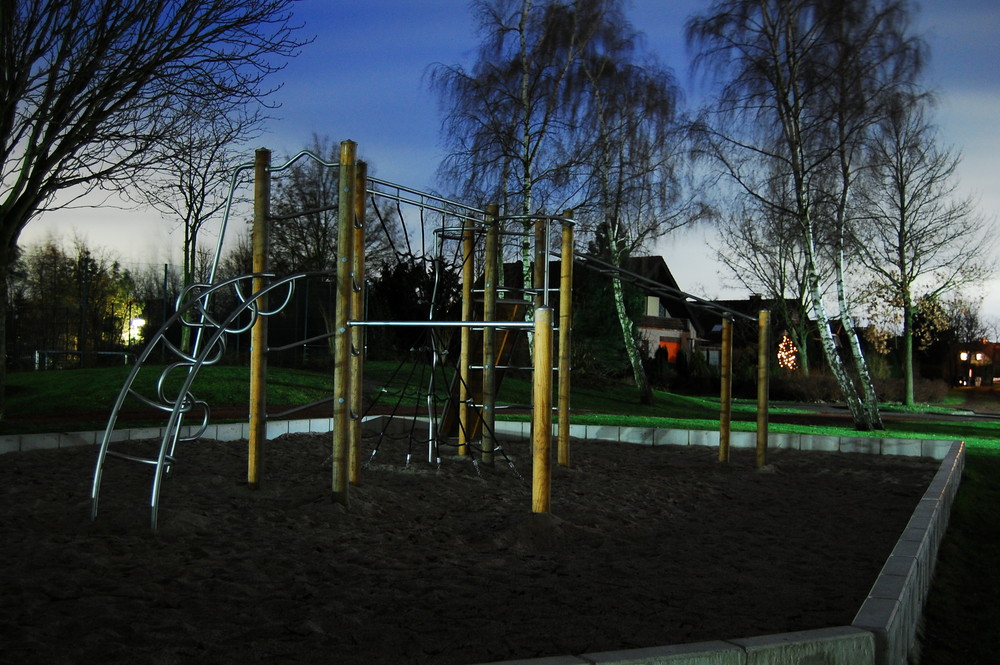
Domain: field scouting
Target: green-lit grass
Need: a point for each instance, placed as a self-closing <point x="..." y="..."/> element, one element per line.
<point x="962" y="616"/>
<point x="82" y="399"/>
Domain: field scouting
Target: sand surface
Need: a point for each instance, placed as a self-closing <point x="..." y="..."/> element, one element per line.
<point x="435" y="565"/>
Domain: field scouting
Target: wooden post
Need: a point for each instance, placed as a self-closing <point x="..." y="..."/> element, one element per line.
<point x="539" y="286"/>
<point x="763" y="363"/>
<point x="490" y="280"/>
<point x="464" y="374"/>
<point x="565" y="335"/>
<point x="342" y="338"/>
<point x="726" y="395"/>
<point x="541" y="468"/>
<point x="357" y="332"/>
<point x="258" y="334"/>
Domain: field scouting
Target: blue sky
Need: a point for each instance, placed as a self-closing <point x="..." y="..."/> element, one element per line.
<point x="364" y="79"/>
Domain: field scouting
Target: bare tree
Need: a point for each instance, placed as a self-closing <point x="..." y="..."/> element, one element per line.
<point x="305" y="201"/>
<point x="303" y="235"/>
<point x="509" y="120"/>
<point x="630" y="171"/>
<point x="91" y="89"/>
<point x="561" y="107"/>
<point x="799" y="79"/>
<point x="765" y="255"/>
<point x="871" y="58"/>
<point x="191" y="182"/>
<point x="918" y="237"/>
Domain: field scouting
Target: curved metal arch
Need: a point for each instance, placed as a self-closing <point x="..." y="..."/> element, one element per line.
<point x="184" y="402"/>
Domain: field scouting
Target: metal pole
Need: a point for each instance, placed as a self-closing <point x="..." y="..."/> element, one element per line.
<point x="541" y="468"/>
<point x="166" y="311"/>
<point x="342" y="339"/>
<point x="357" y="312"/>
<point x="468" y="276"/>
<point x="565" y="335"/>
<point x="726" y="396"/>
<point x="490" y="269"/>
<point x="763" y="362"/>
<point x="258" y="334"/>
<point x="540" y="259"/>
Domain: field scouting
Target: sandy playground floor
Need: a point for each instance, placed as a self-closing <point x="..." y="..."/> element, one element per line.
<point x="644" y="546"/>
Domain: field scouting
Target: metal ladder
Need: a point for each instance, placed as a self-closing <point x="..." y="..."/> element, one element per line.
<point x="208" y="349"/>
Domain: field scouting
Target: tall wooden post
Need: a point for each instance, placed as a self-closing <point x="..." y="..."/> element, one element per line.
<point x="342" y="338"/>
<point x="726" y="395"/>
<point x="565" y="336"/>
<point x="357" y="332"/>
<point x="763" y="364"/>
<point x="541" y="468"/>
<point x="464" y="373"/>
<point x="258" y="334"/>
<point x="490" y="281"/>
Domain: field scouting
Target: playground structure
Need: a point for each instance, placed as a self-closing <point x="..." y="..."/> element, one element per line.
<point x="470" y="411"/>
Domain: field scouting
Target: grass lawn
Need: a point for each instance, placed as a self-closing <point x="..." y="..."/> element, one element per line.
<point x="962" y="619"/>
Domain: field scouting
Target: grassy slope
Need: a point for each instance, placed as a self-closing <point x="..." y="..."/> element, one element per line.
<point x="962" y="619"/>
<point x="962" y="616"/>
<point x="85" y="397"/>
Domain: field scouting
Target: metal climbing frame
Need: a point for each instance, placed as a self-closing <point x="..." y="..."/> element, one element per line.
<point x="178" y="401"/>
<point x="249" y="312"/>
<point x="172" y="391"/>
<point x="350" y="319"/>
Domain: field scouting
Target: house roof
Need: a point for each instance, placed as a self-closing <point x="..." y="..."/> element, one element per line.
<point x="652" y="275"/>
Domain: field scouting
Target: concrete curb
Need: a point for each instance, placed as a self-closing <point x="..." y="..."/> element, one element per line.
<point x="883" y="631"/>
<point x="895" y="603"/>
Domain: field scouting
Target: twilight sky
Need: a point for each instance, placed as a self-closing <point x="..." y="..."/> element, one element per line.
<point x="364" y="79"/>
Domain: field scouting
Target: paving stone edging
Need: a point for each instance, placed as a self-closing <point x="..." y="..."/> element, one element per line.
<point x="883" y="631"/>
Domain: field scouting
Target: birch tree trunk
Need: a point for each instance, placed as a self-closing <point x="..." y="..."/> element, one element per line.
<point x="631" y="347"/>
<point x="872" y="419"/>
<point x="626" y="325"/>
<point x="833" y="359"/>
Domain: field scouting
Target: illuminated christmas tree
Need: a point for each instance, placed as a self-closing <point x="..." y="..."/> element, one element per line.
<point x="788" y="355"/>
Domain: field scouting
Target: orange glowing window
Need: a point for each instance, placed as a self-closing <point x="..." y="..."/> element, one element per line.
<point x="672" y="349"/>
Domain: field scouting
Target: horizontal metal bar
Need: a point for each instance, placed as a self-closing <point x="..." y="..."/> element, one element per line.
<point x="422" y="194"/>
<point x="501" y="407"/>
<point x="302" y="342"/>
<point x="167" y="459"/>
<point x="535" y="218"/>
<point x="525" y="367"/>
<point x="444" y="324"/>
<point x="302" y="407"/>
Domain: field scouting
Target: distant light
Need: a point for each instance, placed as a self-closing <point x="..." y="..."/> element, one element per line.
<point x="136" y="323"/>
<point x="979" y="356"/>
<point x="964" y="355"/>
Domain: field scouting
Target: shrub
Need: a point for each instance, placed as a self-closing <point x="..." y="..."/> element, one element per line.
<point x="822" y="387"/>
<point x="925" y="391"/>
<point x="796" y="387"/>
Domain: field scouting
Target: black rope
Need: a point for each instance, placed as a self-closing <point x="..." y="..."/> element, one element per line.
<point x="385" y="228"/>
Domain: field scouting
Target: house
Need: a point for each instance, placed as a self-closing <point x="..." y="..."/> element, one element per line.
<point x="972" y="363"/>
<point x="668" y="320"/>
